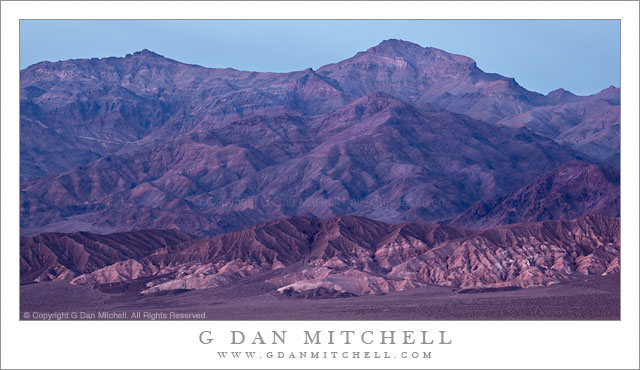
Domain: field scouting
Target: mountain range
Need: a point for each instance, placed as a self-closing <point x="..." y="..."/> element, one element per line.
<point x="400" y="167"/>
<point x="336" y="257"/>
<point x="398" y="133"/>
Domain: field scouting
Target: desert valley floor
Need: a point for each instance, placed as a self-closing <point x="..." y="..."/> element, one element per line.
<point x="585" y="298"/>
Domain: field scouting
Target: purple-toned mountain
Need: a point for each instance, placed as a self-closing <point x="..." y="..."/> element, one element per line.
<point x="346" y="256"/>
<point x="420" y="75"/>
<point x="76" y="111"/>
<point x="588" y="124"/>
<point x="98" y="106"/>
<point x="148" y="142"/>
<point x="377" y="157"/>
<point x="54" y="256"/>
<point x="573" y="190"/>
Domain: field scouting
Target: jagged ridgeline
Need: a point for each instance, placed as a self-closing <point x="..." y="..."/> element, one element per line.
<point x="397" y="133"/>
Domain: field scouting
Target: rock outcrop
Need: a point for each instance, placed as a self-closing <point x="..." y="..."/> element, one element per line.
<point x="348" y="256"/>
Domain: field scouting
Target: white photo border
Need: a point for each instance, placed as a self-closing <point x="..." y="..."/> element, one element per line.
<point x="166" y="344"/>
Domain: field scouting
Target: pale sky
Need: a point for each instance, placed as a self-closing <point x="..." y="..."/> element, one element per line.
<point x="580" y="56"/>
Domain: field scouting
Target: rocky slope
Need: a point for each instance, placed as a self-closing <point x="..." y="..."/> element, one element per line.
<point x="572" y="190"/>
<point x="348" y="256"/>
<point x="588" y="124"/>
<point x="97" y="106"/>
<point x="90" y="107"/>
<point x="420" y="75"/>
<point x="396" y="133"/>
<point x="56" y="256"/>
<point x="376" y="157"/>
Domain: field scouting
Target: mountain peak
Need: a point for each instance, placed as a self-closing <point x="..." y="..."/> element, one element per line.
<point x="561" y="95"/>
<point x="147" y="53"/>
<point x="416" y="54"/>
<point x="611" y="93"/>
<point x="560" y="92"/>
<point x="610" y="90"/>
<point x="397" y="43"/>
<point x="396" y="47"/>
